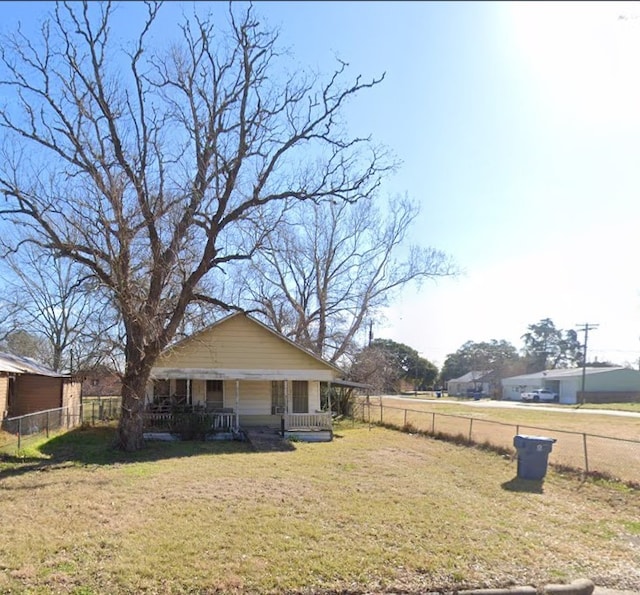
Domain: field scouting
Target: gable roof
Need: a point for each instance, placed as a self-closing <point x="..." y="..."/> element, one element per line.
<point x="256" y="322"/>
<point x="14" y="364"/>
<point x="473" y="376"/>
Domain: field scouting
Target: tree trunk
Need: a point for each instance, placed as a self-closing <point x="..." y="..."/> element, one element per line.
<point x="130" y="428"/>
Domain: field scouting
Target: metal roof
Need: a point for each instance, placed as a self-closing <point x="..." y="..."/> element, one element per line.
<point x="13" y="364"/>
<point x="473" y="376"/>
<point x="559" y="374"/>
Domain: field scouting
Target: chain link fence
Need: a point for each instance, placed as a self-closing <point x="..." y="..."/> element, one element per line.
<point x="18" y="432"/>
<point x="606" y="456"/>
<point x="101" y="409"/>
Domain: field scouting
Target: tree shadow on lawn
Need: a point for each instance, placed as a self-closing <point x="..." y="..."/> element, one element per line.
<point x="532" y="486"/>
<point x="95" y="446"/>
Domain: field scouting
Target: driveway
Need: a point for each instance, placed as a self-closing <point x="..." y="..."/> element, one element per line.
<point x="484" y="403"/>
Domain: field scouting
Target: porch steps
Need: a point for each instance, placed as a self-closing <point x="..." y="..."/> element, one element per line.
<point x="266" y="439"/>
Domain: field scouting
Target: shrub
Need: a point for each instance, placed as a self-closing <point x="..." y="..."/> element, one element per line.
<point x="191" y="425"/>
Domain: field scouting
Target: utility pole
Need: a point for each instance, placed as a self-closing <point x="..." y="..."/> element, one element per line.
<point x="586" y="327"/>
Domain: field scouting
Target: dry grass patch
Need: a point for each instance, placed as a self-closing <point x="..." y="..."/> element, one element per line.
<point x="617" y="456"/>
<point x="373" y="511"/>
<point x="564" y="418"/>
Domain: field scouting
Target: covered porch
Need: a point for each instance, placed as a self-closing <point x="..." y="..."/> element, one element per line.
<point x="226" y="403"/>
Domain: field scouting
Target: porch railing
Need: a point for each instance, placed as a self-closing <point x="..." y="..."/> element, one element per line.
<point x="165" y="421"/>
<point x="307" y="421"/>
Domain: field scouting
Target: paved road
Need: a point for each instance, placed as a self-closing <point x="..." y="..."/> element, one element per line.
<point x="484" y="403"/>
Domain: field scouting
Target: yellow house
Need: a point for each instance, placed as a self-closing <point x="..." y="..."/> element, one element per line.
<point x="244" y="374"/>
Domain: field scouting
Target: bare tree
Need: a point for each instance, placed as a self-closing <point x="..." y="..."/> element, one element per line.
<point x="331" y="267"/>
<point x="377" y="368"/>
<point x="7" y="314"/>
<point x="151" y="168"/>
<point x="51" y="300"/>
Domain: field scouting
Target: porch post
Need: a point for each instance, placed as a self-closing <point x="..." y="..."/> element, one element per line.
<point x="330" y="415"/>
<point x="286" y="404"/>
<point x="189" y="401"/>
<point x="237" y="404"/>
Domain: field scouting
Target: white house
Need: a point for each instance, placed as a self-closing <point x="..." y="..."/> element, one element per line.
<point x="479" y="381"/>
<point x="601" y="384"/>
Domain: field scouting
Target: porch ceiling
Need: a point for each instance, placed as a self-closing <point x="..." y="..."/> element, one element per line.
<point x="350" y="384"/>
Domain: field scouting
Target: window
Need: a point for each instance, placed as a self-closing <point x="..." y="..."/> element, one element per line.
<point x="277" y="397"/>
<point x="160" y="390"/>
<point x="300" y="394"/>
<point x="215" y="395"/>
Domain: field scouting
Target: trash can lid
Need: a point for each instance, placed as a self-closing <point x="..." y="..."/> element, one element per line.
<point x="537" y="438"/>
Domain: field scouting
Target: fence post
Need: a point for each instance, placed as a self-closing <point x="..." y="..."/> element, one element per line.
<point x="93" y="413"/>
<point x="381" y="410"/>
<point x="405" y="418"/>
<point x="19" y="432"/>
<point x="433" y="422"/>
<point x="586" y="458"/>
<point x="46" y="425"/>
<point x="517" y="429"/>
<point x="470" y="427"/>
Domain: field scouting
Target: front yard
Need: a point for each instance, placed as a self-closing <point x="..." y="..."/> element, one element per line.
<point x="375" y="510"/>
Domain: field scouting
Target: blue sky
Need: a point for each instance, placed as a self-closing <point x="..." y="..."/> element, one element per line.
<point x="517" y="125"/>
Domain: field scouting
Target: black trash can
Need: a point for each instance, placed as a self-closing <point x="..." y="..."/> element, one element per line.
<point x="533" y="455"/>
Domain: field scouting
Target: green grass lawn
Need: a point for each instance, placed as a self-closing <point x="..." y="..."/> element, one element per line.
<point x="375" y="510"/>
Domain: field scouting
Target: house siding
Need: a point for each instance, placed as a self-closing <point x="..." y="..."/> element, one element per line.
<point x="97" y="384"/>
<point x="4" y="396"/>
<point x="36" y="393"/>
<point x="254" y="396"/>
<point x="71" y="397"/>
<point x="238" y="343"/>
<point x="617" y="380"/>
<point x="569" y="386"/>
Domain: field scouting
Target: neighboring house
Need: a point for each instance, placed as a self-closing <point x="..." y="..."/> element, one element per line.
<point x="476" y="381"/>
<point x="101" y="382"/>
<point x="28" y="387"/>
<point x="248" y="374"/>
<point x="602" y="385"/>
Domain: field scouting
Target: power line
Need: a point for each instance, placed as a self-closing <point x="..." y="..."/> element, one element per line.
<point x="586" y="327"/>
